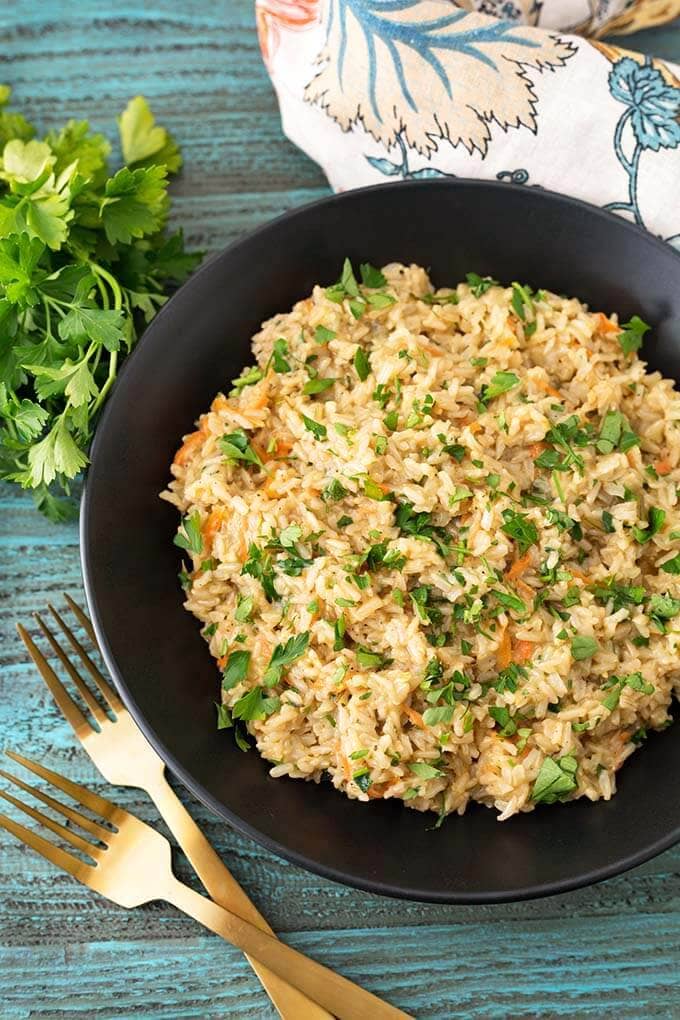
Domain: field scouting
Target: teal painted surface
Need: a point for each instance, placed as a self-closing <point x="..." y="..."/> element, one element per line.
<point x="609" y="951"/>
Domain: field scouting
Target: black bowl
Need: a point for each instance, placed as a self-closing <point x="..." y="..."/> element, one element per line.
<point x="152" y="646"/>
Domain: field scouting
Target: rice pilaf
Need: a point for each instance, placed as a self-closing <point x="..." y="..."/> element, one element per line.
<point x="431" y="540"/>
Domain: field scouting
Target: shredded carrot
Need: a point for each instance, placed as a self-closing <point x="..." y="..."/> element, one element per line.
<point x="536" y="449"/>
<point x="189" y="444"/>
<point x="259" y="452"/>
<point x="436" y="352"/>
<point x="347" y="767"/>
<point x="242" y="550"/>
<point x="474" y="426"/>
<point x="504" y="651"/>
<point x="283" y="447"/>
<point x="222" y="661"/>
<point x="605" y="325"/>
<point x="212" y="525"/>
<point x="663" y="467"/>
<point x="518" y="567"/>
<point x="377" y="790"/>
<point x="525" y="589"/>
<point x="523" y="651"/>
<point x="260" y="396"/>
<point x="414" y="716"/>
<point x="547" y="388"/>
<point x="220" y="403"/>
<point x="579" y="573"/>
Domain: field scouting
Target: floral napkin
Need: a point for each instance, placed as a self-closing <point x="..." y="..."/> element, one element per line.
<point x="377" y="90"/>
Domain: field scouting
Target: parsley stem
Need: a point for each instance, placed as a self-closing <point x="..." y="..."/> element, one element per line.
<point x="112" y="282"/>
<point x="113" y="363"/>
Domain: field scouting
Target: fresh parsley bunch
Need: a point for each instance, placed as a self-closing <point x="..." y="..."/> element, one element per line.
<point x="84" y="263"/>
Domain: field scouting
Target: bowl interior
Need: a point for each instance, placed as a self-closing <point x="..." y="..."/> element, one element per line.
<point x="199" y="342"/>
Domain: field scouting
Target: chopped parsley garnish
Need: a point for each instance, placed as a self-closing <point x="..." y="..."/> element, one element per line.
<point x="520" y="529"/>
<point x="655" y="522"/>
<point x="391" y="420"/>
<point x="501" y="715"/>
<point x="236" y="446"/>
<point x="380" y="445"/>
<point x="260" y="566"/>
<point x="255" y="705"/>
<point x="510" y="601"/>
<point x="380" y="555"/>
<point x="244" y="608"/>
<point x="608" y="522"/>
<point x="323" y="335"/>
<point x="616" y="684"/>
<point x="509" y="678"/>
<point x="662" y="608"/>
<point x="334" y="491"/>
<point x="363" y="779"/>
<point x="290" y="535"/>
<point x="633" y="333"/>
<point x="248" y="377"/>
<point x="425" y="771"/>
<point x="370" y="276"/>
<point x="564" y="522"/>
<point x="619" y="595"/>
<point x="362" y="364"/>
<point x="522" y="304"/>
<point x="190" y="537"/>
<point x="317" y="386"/>
<point x="615" y="434"/>
<point x="339" y="629"/>
<point x="583" y="647"/>
<point x="500" y="383"/>
<point x="380" y="300"/>
<point x="439" y="299"/>
<point x="279" y="352"/>
<point x="371" y="660"/>
<point x="564" y="436"/>
<point x="419" y="525"/>
<point x="223" y="717"/>
<point x="442" y="714"/>
<point x="285" y="655"/>
<point x="343" y="521"/>
<point x="318" y="430"/>
<point x="236" y="669"/>
<point x="480" y="284"/>
<point x="479" y="362"/>
<point x="373" y="490"/>
<point x="556" y="778"/>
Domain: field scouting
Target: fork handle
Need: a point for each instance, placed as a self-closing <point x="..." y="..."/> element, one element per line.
<point x="225" y="890"/>
<point x="341" y="997"/>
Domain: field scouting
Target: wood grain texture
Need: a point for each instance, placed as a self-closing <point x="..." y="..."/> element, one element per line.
<point x="609" y="951"/>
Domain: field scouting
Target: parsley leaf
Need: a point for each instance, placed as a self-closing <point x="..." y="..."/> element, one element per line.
<point x="190" y="536"/>
<point x="556" y="778"/>
<point x="260" y="566"/>
<point x="236" y="669"/>
<point x="255" y="705"/>
<point x="362" y="364"/>
<point x="500" y="383"/>
<point x="633" y="334"/>
<point x="480" y="284"/>
<point x="518" y="527"/>
<point x="655" y="522"/>
<point x="236" y="446"/>
<point x="318" y="430"/>
<point x="280" y="363"/>
<point x="370" y="276"/>
<point x="583" y="647"/>
<point x="285" y="655"/>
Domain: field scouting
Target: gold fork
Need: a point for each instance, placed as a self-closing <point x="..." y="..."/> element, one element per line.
<point x="132" y="865"/>
<point x="124" y="757"/>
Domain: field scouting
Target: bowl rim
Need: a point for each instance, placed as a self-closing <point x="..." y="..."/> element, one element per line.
<point x="617" y="865"/>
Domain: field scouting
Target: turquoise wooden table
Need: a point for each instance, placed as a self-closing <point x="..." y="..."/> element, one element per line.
<point x="608" y="951"/>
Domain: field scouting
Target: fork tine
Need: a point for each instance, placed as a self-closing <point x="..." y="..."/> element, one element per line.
<point x="84" y="691"/>
<point x="53" y="853"/>
<point x="101" y="682"/>
<point x="104" y="808"/>
<point x="82" y="617"/>
<point x="67" y="834"/>
<point x="97" y="830"/>
<point x="63" y="699"/>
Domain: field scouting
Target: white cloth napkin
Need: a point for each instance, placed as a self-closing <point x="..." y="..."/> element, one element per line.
<point x="377" y="90"/>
